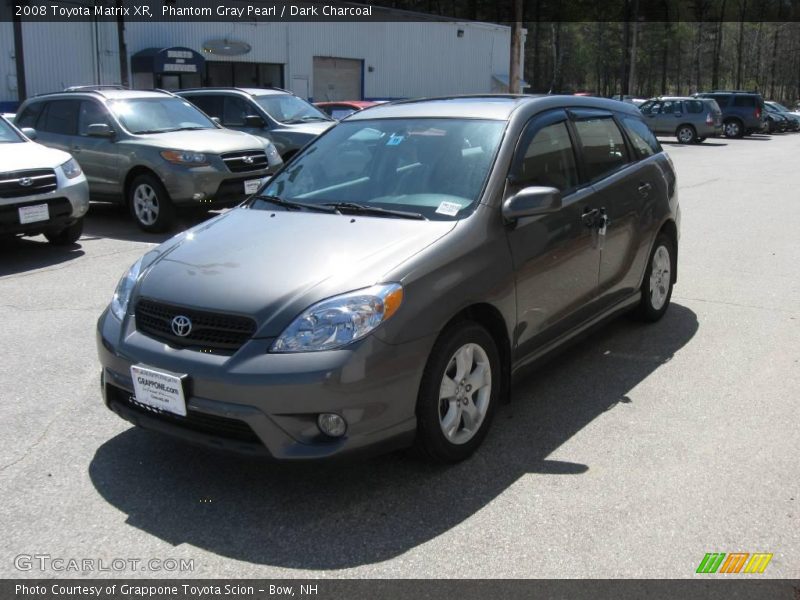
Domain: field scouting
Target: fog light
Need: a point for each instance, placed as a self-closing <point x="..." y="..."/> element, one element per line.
<point x="331" y="424"/>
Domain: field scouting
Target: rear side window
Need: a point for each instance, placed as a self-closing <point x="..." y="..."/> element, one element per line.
<point x="744" y="101"/>
<point x="30" y="115"/>
<point x="694" y="106"/>
<point x="549" y="160"/>
<point x="722" y="99"/>
<point x="603" y="146"/>
<point x="644" y="142"/>
<point x="61" y="117"/>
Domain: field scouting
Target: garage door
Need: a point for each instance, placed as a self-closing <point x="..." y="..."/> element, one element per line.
<point x="337" y="79"/>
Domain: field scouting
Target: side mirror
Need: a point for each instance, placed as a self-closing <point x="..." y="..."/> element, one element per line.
<point x="217" y="120"/>
<point x="29" y="133"/>
<point x="100" y="130"/>
<point x="253" y="121"/>
<point x="532" y="201"/>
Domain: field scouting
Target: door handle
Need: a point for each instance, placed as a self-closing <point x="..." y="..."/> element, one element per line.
<point x="644" y="188"/>
<point x="589" y="217"/>
<point x="75" y="149"/>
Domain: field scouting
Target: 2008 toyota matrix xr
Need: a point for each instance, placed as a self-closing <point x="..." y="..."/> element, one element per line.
<point x="383" y="287"/>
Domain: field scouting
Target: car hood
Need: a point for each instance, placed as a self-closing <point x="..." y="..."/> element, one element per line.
<point x="208" y="141"/>
<point x="30" y="155"/>
<point x="273" y="265"/>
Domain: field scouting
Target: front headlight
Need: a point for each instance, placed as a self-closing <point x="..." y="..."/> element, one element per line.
<point x="184" y="157"/>
<point x="71" y="168"/>
<point x="119" y="303"/>
<point x="340" y="320"/>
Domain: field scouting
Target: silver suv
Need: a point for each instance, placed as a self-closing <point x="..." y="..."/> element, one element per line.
<point x="41" y="190"/>
<point x="691" y="120"/>
<point x="150" y="149"/>
<point x="275" y="114"/>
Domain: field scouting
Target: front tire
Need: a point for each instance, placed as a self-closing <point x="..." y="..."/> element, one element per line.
<point x="459" y="390"/>
<point x="67" y="236"/>
<point x="150" y="204"/>
<point x="659" y="278"/>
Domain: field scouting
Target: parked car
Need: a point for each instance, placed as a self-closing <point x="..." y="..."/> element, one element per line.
<point x="776" y="122"/>
<point x="150" y="149"/>
<point x="274" y="114"/>
<point x="428" y="250"/>
<point x="42" y="191"/>
<point x="691" y="120"/>
<point x="345" y="108"/>
<point x="629" y="99"/>
<point x="793" y="119"/>
<point x="742" y="112"/>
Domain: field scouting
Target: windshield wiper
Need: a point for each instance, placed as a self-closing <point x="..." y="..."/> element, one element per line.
<point x="374" y="210"/>
<point x="292" y="204"/>
<point x="143" y="131"/>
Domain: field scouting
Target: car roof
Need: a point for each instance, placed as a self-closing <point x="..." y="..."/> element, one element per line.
<point x="488" y="106"/>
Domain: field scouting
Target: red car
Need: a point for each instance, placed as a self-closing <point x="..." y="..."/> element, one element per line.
<point x="343" y="108"/>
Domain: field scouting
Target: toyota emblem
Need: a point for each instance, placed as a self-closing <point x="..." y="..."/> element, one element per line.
<point x="25" y="181"/>
<point x="181" y="325"/>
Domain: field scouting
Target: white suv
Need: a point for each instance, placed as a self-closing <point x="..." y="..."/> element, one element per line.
<point x="42" y="190"/>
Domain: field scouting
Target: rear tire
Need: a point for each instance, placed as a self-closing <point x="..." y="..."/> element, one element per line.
<point x="459" y="390"/>
<point x="67" y="236"/>
<point x="733" y="128"/>
<point x="686" y="134"/>
<point x="659" y="278"/>
<point x="150" y="204"/>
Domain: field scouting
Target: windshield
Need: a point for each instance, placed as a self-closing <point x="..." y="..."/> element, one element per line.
<point x="779" y="107"/>
<point x="286" y="108"/>
<point x="158" y="115"/>
<point x="433" y="167"/>
<point x="7" y="133"/>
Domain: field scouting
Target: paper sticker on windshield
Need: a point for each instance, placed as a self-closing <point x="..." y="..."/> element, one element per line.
<point x="448" y="208"/>
<point x="394" y="140"/>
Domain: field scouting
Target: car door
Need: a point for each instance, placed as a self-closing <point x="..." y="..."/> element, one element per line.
<point x="97" y="156"/>
<point x="623" y="188"/>
<point x="556" y="259"/>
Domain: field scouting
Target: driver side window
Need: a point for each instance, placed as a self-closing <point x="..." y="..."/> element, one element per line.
<point x="548" y="160"/>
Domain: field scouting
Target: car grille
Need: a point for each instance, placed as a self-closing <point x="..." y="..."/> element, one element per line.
<point x="223" y="427"/>
<point x="211" y="332"/>
<point x="16" y="184"/>
<point x="241" y="162"/>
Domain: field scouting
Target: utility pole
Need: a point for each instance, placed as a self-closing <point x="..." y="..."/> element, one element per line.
<point x="514" y="74"/>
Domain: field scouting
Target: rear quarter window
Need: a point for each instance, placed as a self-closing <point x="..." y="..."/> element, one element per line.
<point x="745" y="101"/>
<point x="30" y="115"/>
<point x="643" y="140"/>
<point x="694" y="106"/>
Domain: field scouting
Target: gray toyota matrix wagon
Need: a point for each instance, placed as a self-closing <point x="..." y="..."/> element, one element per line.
<point x="382" y="289"/>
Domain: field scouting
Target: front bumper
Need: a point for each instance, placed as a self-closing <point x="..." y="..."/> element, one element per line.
<point x="210" y="185"/>
<point x="265" y="404"/>
<point x="66" y="204"/>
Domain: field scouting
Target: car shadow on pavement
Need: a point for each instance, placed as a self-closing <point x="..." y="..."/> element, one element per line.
<point x="332" y="516"/>
<point x="19" y="255"/>
<point x="698" y="145"/>
<point x="106" y="220"/>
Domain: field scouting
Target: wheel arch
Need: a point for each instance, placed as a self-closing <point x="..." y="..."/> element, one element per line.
<point x="132" y="174"/>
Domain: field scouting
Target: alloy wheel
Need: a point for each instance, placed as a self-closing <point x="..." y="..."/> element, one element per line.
<point x="145" y="204"/>
<point x="465" y="393"/>
<point x="660" y="277"/>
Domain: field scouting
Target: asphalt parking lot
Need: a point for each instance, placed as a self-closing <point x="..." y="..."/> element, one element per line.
<point x="630" y="455"/>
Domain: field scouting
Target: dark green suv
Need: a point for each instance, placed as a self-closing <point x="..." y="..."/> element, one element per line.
<point x="742" y="112"/>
